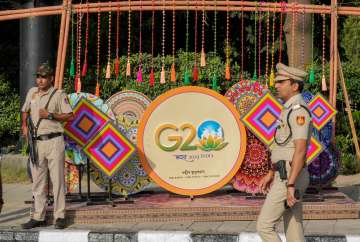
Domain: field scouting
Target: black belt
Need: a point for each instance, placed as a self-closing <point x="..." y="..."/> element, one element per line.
<point x="48" y="136"/>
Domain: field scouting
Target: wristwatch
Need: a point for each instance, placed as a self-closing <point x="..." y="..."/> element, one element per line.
<point x="50" y="116"/>
<point x="290" y="185"/>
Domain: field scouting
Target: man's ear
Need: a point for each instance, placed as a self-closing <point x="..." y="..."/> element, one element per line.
<point x="295" y="86"/>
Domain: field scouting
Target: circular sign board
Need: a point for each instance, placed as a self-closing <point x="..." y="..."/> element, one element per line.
<point x="191" y="141"/>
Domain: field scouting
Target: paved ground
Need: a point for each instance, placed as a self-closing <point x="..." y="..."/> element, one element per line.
<point x="16" y="212"/>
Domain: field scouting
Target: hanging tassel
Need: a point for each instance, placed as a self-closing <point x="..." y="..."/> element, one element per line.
<point x="152" y="78"/>
<point x="108" y="71"/>
<point x="272" y="78"/>
<point x="202" y="58"/>
<point x="97" y="89"/>
<point x="139" y="77"/>
<point x="84" y="69"/>
<point x="254" y="77"/>
<point x="323" y="84"/>
<point x="77" y="84"/>
<point x="128" y="70"/>
<point x="214" y="85"/>
<point x="116" y="67"/>
<point x="195" y="73"/>
<point x="162" y="76"/>
<point x="72" y="68"/>
<point x="186" y="77"/>
<point x="227" y="72"/>
<point x="173" y="73"/>
<point x="312" y="76"/>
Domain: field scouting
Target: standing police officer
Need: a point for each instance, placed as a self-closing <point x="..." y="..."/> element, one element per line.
<point x="289" y="175"/>
<point x="47" y="108"/>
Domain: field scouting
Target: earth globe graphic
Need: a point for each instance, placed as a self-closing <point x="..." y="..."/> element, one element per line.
<point x="208" y="128"/>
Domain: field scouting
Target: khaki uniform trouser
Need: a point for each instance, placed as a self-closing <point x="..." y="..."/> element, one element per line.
<point x="273" y="209"/>
<point x="51" y="157"/>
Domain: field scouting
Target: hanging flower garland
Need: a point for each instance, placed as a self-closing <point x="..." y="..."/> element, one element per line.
<point x="85" y="65"/>
<point x="272" y="73"/>
<point x="227" y="67"/>
<point x="312" y="72"/>
<point x="203" y="56"/>
<point x="108" y="69"/>
<point x="323" y="80"/>
<point x="214" y="84"/>
<point x="152" y="75"/>
<point x="117" y="61"/>
<point x="162" y="73"/>
<point x="139" y="77"/>
<point x="128" y="67"/>
<point x="97" y="89"/>
<point x="186" y="72"/>
<point x="254" y="78"/>
<point x="195" y="70"/>
<point x="173" y="72"/>
<point x="78" y="53"/>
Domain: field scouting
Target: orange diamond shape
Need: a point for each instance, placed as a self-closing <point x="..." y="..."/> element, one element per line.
<point x="109" y="149"/>
<point x="268" y="119"/>
<point x="318" y="111"/>
<point x="85" y="124"/>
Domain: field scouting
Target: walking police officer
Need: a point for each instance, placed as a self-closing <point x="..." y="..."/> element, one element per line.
<point x="47" y="108"/>
<point x="288" y="179"/>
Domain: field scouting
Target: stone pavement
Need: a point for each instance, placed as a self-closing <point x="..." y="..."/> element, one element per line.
<point x="16" y="212"/>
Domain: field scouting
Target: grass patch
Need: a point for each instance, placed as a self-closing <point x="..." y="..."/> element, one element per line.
<point x="14" y="174"/>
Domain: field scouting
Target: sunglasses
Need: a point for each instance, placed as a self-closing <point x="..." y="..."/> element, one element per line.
<point x="40" y="76"/>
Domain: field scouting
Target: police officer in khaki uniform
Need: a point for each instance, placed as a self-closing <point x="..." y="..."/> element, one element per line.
<point x="290" y="145"/>
<point x="50" y="145"/>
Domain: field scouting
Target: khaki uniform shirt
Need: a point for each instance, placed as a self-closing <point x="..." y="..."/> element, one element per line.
<point x="58" y="104"/>
<point x="300" y="122"/>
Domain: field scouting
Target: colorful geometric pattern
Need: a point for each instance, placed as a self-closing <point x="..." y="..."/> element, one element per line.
<point x="109" y="149"/>
<point x="244" y="94"/>
<point x="262" y="118"/>
<point x="324" y="168"/>
<point x="323" y="135"/>
<point x="131" y="104"/>
<point x="321" y="110"/>
<point x="314" y="149"/>
<point x="131" y="178"/>
<point x="254" y="166"/>
<point x="73" y="152"/>
<point x="88" y="121"/>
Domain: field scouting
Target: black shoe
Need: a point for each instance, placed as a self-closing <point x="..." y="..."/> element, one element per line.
<point x="60" y="223"/>
<point x="33" y="224"/>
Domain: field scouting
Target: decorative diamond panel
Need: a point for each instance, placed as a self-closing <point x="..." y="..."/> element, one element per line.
<point x="314" y="149"/>
<point x="109" y="149"/>
<point x="88" y="121"/>
<point x="322" y="111"/>
<point x="262" y="118"/>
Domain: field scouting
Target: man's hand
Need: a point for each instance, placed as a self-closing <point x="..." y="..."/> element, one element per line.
<point x="265" y="182"/>
<point x="291" y="200"/>
<point x="24" y="129"/>
<point x="43" y="113"/>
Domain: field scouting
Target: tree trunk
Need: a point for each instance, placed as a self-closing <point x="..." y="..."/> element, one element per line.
<point x="299" y="53"/>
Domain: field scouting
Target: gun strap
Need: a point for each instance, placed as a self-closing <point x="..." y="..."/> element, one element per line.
<point x="46" y="106"/>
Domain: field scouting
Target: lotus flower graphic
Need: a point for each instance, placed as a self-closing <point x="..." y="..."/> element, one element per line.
<point x="211" y="136"/>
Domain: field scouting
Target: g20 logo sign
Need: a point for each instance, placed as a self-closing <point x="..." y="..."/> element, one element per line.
<point x="209" y="134"/>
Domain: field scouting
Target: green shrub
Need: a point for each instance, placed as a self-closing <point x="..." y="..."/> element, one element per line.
<point x="9" y="112"/>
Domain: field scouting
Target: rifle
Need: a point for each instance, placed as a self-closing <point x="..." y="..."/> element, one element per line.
<point x="31" y="138"/>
